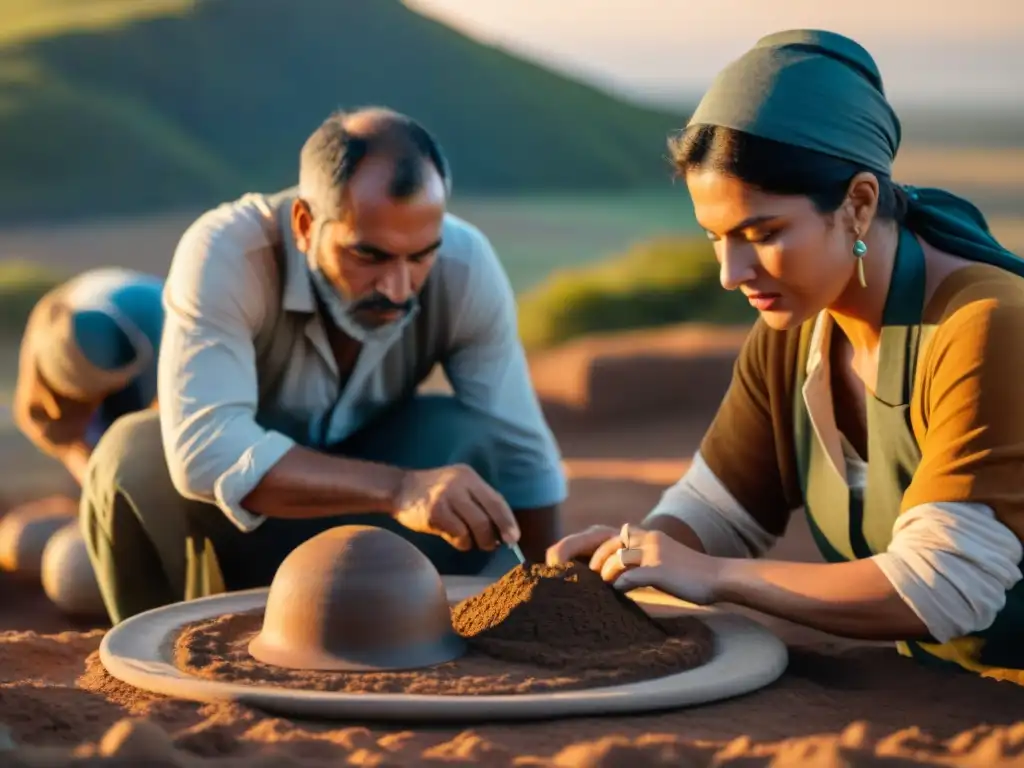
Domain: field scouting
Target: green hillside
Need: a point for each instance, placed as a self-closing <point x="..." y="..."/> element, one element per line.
<point x="123" y="106"/>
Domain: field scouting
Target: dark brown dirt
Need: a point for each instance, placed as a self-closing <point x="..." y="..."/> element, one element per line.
<point x="566" y="618"/>
<point x="537" y="629"/>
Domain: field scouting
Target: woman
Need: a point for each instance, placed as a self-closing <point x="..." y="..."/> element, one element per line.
<point x="880" y="388"/>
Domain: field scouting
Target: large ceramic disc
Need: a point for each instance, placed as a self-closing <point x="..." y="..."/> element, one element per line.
<point x="747" y="656"/>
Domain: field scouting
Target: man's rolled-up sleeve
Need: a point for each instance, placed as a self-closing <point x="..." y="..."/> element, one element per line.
<point x="207" y="383"/>
<point x="489" y="373"/>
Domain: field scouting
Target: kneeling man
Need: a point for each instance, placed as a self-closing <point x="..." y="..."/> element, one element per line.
<point x="298" y="328"/>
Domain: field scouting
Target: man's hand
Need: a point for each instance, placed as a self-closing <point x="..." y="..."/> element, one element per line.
<point x="456" y="504"/>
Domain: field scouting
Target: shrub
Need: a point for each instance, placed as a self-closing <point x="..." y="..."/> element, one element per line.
<point x="655" y="283"/>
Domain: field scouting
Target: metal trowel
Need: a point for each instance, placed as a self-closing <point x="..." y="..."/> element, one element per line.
<point x="517" y="552"/>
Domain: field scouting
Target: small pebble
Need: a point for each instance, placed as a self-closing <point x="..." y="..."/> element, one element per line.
<point x="136" y="739"/>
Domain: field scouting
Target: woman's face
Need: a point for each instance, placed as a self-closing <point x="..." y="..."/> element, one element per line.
<point x="788" y="259"/>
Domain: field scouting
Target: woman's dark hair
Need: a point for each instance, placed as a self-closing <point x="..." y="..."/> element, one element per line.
<point x="780" y="169"/>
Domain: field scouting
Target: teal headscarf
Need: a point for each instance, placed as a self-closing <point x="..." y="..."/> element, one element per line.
<point x="822" y="91"/>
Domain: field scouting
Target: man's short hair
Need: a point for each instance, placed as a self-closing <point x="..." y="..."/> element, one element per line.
<point x="334" y="151"/>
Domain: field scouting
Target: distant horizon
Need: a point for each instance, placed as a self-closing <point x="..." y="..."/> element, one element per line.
<point x="967" y="57"/>
<point x="682" y="98"/>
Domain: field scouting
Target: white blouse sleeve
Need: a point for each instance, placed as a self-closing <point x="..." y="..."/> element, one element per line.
<point x="723" y="526"/>
<point x="952" y="563"/>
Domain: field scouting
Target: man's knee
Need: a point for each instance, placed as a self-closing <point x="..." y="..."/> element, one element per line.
<point x="131" y="433"/>
<point x="128" y="459"/>
<point x="134" y="523"/>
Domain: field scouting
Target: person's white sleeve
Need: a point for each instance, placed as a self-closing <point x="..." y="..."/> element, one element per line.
<point x="489" y="373"/>
<point x="952" y="563"/>
<point x="207" y="386"/>
<point x="724" y="527"/>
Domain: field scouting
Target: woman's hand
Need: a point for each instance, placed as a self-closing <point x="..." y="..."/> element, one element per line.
<point x="664" y="563"/>
<point x="580" y="545"/>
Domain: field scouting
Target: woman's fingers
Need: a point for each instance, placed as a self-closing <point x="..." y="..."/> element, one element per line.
<point x="612" y="559"/>
<point x="579" y="544"/>
<point x="611" y="569"/>
<point x="635" y="578"/>
<point x="604" y="552"/>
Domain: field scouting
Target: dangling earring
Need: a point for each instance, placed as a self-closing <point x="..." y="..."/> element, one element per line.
<point x="859" y="249"/>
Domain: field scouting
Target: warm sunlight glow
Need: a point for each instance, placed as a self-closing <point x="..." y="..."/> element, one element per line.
<point x="969" y="51"/>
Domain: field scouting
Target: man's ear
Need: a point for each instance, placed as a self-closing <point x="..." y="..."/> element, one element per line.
<point x="302" y="224"/>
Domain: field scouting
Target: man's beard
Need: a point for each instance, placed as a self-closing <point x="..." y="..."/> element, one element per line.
<point x="342" y="310"/>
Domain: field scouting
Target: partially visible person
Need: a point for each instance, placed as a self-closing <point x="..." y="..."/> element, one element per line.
<point x="879" y="390"/>
<point x="88" y="356"/>
<point x="299" y="328"/>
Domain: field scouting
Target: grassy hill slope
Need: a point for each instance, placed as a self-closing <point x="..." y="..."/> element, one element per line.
<point x="122" y="106"/>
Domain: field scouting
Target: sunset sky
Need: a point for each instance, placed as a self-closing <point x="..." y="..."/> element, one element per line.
<point x="967" y="52"/>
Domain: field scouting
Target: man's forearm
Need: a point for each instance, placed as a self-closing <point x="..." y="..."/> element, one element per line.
<point x="852" y="599"/>
<point x="306" y="483"/>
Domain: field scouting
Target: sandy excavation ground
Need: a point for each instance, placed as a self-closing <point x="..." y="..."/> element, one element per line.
<point x="839" y="703"/>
